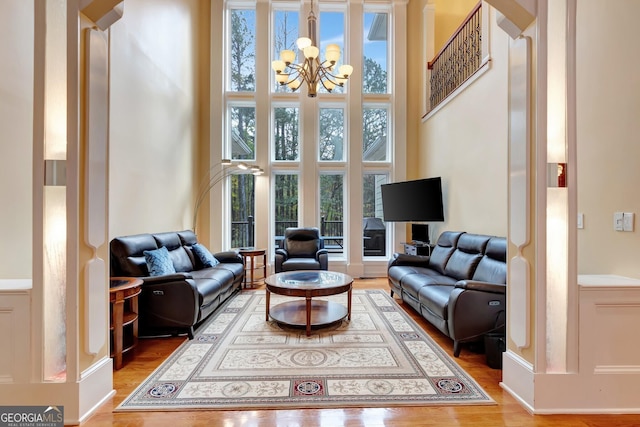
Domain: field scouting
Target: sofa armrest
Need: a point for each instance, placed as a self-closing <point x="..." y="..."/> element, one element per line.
<point x="409" y="260"/>
<point x="228" y="256"/>
<point x="476" y="285"/>
<point x="476" y="308"/>
<point x="282" y="253"/>
<point x="167" y="278"/>
<point x="169" y="301"/>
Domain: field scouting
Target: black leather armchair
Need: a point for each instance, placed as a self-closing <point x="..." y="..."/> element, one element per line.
<point x="301" y="249"/>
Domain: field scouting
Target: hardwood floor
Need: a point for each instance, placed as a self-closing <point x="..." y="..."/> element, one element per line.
<point x="151" y="352"/>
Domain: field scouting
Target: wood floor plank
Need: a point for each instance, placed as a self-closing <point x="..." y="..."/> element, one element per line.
<point x="150" y="353"/>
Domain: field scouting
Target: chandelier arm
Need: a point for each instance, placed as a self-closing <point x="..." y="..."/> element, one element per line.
<point x="326" y="75"/>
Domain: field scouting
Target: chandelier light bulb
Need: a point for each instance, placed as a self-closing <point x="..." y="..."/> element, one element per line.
<point x="287" y="56"/>
<point x="278" y="66"/>
<point x="303" y="42"/>
<point x="332" y="53"/>
<point x="311" y="52"/>
<point x="345" y="70"/>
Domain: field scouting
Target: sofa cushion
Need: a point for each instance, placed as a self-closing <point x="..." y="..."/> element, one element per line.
<point x="210" y="282"/>
<point x="412" y="284"/>
<point x="127" y="258"/>
<point x="159" y="262"/>
<point x="492" y="267"/>
<point x="435" y="299"/>
<point x="204" y="256"/>
<point x="442" y="251"/>
<point x="464" y="260"/>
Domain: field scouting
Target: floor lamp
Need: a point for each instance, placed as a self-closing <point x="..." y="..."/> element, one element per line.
<point x="215" y="175"/>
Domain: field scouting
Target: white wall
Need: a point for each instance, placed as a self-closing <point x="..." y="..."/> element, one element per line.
<point x="154" y="115"/>
<point x="466" y="143"/>
<point x="16" y="137"/>
<point x="608" y="135"/>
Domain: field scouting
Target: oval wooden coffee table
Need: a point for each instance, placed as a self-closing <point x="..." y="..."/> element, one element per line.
<point x="308" y="284"/>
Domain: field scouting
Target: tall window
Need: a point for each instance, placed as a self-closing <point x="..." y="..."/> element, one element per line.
<point x="285" y="195"/>
<point x="331" y="134"/>
<point x="374" y="229"/>
<point x="242" y="50"/>
<point x="332" y="211"/>
<point x="285" y="133"/>
<point x="309" y="146"/>
<point x="242" y="210"/>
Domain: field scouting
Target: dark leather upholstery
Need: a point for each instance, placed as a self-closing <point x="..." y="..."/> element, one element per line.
<point x="460" y="288"/>
<point x="176" y="302"/>
<point x="301" y="249"/>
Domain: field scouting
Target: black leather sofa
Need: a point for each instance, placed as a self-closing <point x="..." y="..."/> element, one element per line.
<point x="460" y="288"/>
<point x="176" y="303"/>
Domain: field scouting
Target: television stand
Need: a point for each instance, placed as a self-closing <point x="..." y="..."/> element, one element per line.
<point x="415" y="248"/>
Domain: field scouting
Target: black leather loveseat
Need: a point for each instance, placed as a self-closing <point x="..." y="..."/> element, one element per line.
<point x="460" y="288"/>
<point x="176" y="302"/>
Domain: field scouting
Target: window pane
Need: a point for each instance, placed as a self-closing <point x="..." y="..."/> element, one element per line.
<point x="332" y="32"/>
<point x="374" y="232"/>
<point x="242" y="132"/>
<point x="374" y="134"/>
<point x="374" y="73"/>
<point x="286" y="204"/>
<point x="242" y="50"/>
<point x="331" y="134"/>
<point x="285" y="131"/>
<point x="285" y="34"/>
<point x="242" y="210"/>
<point x="332" y="211"/>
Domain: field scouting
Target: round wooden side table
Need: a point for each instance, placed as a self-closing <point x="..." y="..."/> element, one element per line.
<point x="249" y="255"/>
<point x="123" y="296"/>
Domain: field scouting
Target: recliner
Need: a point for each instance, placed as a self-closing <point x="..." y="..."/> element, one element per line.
<point x="301" y="249"/>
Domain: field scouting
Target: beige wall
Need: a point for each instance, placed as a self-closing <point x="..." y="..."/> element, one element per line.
<point x="608" y="135"/>
<point x="466" y="143"/>
<point x="156" y="76"/>
<point x="16" y="137"/>
<point x="449" y="15"/>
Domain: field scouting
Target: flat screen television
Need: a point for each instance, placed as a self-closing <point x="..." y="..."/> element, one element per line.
<point x="418" y="200"/>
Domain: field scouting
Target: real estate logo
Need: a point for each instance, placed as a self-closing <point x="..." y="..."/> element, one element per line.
<point x="31" y="416"/>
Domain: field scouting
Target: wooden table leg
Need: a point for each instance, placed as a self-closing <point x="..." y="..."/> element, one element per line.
<point x="308" y="316"/>
<point x="268" y="297"/>
<point x="349" y="304"/>
<point x="252" y="268"/>
<point x="118" y="314"/>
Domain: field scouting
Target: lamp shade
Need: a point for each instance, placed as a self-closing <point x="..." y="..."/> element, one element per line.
<point x="278" y="66"/>
<point x="303" y="42"/>
<point x="287" y="56"/>
<point x="332" y="53"/>
<point x="311" y="52"/>
<point x="345" y="70"/>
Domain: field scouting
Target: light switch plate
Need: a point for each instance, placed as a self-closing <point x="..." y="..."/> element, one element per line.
<point x="627" y="221"/>
<point x="580" y="220"/>
<point x="618" y="221"/>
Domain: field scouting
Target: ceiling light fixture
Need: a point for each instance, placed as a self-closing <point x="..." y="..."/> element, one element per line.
<point x="311" y="70"/>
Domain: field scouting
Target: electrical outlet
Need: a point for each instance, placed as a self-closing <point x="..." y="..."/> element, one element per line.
<point x="627" y="221"/>
<point x="618" y="221"/>
<point x="580" y="220"/>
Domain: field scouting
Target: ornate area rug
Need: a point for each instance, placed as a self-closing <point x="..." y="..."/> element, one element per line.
<point x="237" y="360"/>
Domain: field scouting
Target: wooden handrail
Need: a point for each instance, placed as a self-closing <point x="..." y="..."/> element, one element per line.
<point x="455" y="34"/>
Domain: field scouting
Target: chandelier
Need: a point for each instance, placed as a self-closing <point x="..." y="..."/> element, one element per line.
<point x="312" y="71"/>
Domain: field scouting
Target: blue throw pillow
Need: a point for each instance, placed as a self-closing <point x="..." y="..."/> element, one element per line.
<point x="205" y="257"/>
<point x="159" y="262"/>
